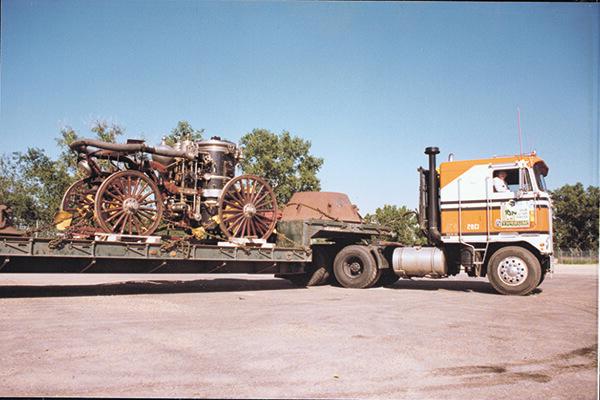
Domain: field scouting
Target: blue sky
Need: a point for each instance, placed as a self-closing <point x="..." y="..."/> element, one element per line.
<point x="369" y="84"/>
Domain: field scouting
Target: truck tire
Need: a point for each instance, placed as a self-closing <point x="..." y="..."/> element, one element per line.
<point x="317" y="277"/>
<point x="320" y="271"/>
<point x="317" y="273"/>
<point x="355" y="267"/>
<point x="514" y="270"/>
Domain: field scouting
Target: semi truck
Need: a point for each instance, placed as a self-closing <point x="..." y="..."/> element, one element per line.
<point x="320" y="238"/>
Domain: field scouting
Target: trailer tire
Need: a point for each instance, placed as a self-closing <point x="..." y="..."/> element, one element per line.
<point x="514" y="270"/>
<point x="317" y="277"/>
<point x="355" y="267"/>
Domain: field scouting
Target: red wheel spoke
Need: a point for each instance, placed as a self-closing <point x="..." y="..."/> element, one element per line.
<point x="142" y="189"/>
<point x="137" y="222"/>
<point x="146" y="195"/>
<point x="246" y="190"/>
<point x="235" y="194"/>
<point x="114" y="215"/>
<point x="258" y="193"/>
<point x="260" y="201"/>
<point x="114" y="196"/>
<point x="124" y="224"/>
<point x="135" y="188"/>
<point x="120" y="188"/>
<point x="237" y="215"/>
<point x="263" y="216"/>
<point x="234" y="204"/>
<point x="252" y="229"/>
<point x="244" y="224"/>
<point x="114" y="227"/>
<point x="117" y="191"/>
<point x="263" y="223"/>
<point x="236" y="223"/>
<point x="249" y="190"/>
<point x="147" y="214"/>
<point x="259" y="224"/>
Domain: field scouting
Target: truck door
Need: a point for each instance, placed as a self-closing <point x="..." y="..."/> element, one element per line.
<point x="512" y="207"/>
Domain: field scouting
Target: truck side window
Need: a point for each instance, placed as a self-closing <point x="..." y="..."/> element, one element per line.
<point x="510" y="178"/>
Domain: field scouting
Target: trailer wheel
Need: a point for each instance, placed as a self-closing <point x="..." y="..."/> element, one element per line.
<point x="355" y="267"/>
<point x="317" y="277"/>
<point x="514" y="270"/>
<point x="317" y="273"/>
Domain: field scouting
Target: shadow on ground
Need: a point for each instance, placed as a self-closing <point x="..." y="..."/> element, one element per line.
<point x="451" y="285"/>
<point x="218" y="285"/>
<point x="145" y="287"/>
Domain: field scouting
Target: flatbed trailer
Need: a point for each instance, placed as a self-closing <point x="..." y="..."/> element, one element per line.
<point x="292" y="255"/>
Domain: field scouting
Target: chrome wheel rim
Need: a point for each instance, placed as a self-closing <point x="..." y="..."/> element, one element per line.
<point x="512" y="271"/>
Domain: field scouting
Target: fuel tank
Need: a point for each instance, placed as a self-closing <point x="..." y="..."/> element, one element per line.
<point x="419" y="262"/>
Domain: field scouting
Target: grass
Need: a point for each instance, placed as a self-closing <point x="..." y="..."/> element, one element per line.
<point x="575" y="260"/>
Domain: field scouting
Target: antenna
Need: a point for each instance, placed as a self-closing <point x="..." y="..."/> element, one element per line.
<point x="519" y="125"/>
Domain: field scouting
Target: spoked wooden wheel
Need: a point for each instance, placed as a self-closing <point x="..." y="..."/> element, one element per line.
<point x="128" y="202"/>
<point x="78" y="201"/>
<point x="247" y="208"/>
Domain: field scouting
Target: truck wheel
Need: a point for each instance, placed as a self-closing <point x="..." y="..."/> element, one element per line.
<point x="514" y="270"/>
<point x="320" y="268"/>
<point x="355" y="267"/>
<point x="309" y="278"/>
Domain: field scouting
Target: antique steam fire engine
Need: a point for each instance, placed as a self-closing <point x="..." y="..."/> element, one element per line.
<point x="190" y="185"/>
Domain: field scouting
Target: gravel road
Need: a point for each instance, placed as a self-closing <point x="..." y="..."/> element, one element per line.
<point x="257" y="336"/>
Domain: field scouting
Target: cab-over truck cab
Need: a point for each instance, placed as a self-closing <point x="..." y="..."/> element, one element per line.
<point x="491" y="216"/>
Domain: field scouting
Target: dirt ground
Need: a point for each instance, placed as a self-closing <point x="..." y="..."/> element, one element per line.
<point x="255" y="336"/>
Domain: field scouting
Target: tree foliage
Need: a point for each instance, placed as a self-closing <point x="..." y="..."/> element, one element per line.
<point x="402" y="221"/>
<point x="183" y="131"/>
<point x="33" y="184"/>
<point x="106" y="132"/>
<point x="284" y="160"/>
<point x="576" y="216"/>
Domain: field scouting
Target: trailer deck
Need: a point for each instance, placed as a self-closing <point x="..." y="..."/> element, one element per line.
<point x="125" y="253"/>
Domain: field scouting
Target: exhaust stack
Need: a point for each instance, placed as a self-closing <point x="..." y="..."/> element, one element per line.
<point x="433" y="206"/>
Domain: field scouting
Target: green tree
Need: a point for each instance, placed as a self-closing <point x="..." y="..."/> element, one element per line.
<point x="14" y="191"/>
<point x="106" y="132"/>
<point x="68" y="156"/>
<point x="402" y="221"/>
<point x="183" y="131"/>
<point x="33" y="184"/>
<point x="576" y="216"/>
<point x="284" y="160"/>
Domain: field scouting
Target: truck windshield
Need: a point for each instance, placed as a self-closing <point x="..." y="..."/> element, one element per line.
<point x="540" y="175"/>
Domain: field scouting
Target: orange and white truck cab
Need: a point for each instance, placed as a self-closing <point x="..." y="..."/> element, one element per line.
<point x="474" y="211"/>
<point x="489" y="217"/>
